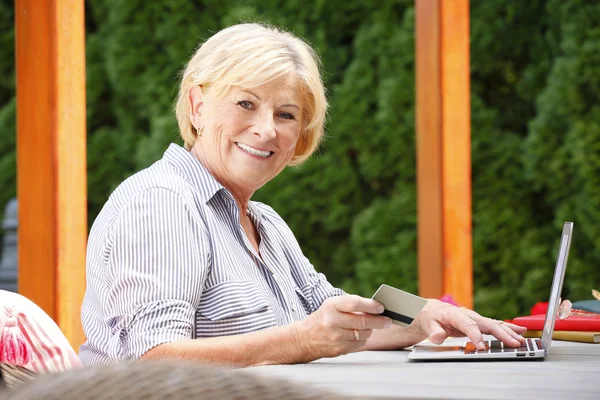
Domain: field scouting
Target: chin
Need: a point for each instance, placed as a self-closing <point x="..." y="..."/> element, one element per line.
<point x="249" y="180"/>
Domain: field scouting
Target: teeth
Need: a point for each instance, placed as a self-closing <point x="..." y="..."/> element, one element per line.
<point x="253" y="151"/>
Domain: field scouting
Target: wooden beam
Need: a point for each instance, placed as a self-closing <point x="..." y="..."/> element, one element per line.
<point x="51" y="160"/>
<point x="456" y="134"/>
<point x="444" y="149"/>
<point x="429" y="148"/>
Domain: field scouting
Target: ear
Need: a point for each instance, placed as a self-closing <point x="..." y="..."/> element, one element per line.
<point x="195" y="97"/>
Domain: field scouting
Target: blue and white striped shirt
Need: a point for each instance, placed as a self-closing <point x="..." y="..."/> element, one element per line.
<point x="167" y="259"/>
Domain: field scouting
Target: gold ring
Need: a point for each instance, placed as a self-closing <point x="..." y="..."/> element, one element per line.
<point x="500" y="322"/>
<point x="356" y="336"/>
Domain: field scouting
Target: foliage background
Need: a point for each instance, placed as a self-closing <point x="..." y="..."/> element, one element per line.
<point x="535" y="131"/>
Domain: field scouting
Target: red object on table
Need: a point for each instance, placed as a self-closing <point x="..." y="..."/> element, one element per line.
<point x="589" y="322"/>
<point x="539" y="308"/>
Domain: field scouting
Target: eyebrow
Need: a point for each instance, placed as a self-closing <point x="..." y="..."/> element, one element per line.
<point x="252" y="93"/>
<point x="258" y="98"/>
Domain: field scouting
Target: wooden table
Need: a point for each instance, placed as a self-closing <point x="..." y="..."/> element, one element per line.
<point x="571" y="371"/>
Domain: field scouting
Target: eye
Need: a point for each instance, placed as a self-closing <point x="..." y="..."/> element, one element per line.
<point x="246" y="105"/>
<point x="286" y="115"/>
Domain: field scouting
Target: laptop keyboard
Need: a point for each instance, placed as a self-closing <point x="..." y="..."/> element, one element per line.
<point x="496" y="346"/>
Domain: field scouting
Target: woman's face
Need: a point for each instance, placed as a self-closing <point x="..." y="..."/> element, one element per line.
<point x="249" y="134"/>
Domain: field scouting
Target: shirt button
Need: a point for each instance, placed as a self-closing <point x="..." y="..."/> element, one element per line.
<point x="293" y="309"/>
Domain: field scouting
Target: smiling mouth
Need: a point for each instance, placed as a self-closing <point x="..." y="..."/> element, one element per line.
<point x="253" y="151"/>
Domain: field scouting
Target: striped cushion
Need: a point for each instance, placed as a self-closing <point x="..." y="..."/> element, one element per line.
<point x="50" y="350"/>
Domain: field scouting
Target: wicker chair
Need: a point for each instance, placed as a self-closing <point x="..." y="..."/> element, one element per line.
<point x="161" y="380"/>
<point x="12" y="376"/>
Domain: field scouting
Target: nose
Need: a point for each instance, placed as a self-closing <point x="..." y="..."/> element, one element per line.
<point x="264" y="126"/>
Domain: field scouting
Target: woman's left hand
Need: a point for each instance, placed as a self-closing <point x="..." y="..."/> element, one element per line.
<point x="438" y="320"/>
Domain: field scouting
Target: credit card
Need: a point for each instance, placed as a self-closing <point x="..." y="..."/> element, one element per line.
<point x="402" y="307"/>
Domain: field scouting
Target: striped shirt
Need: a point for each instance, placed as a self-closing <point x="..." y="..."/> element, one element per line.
<point x="167" y="259"/>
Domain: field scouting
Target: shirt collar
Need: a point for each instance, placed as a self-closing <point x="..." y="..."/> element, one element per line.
<point x="193" y="171"/>
<point x="200" y="177"/>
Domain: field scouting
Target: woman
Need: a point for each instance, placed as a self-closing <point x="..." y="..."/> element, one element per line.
<point x="180" y="252"/>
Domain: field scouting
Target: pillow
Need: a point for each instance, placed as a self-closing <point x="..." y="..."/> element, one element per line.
<point x="30" y="338"/>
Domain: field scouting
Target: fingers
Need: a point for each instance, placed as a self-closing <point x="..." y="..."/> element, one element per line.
<point x="357" y="335"/>
<point x="467" y="326"/>
<point x="516" y="328"/>
<point x="504" y="333"/>
<point x="437" y="334"/>
<point x="353" y="303"/>
<point x="355" y="312"/>
<point x="509" y="334"/>
<point x="510" y="328"/>
<point x="363" y="321"/>
<point x="438" y="320"/>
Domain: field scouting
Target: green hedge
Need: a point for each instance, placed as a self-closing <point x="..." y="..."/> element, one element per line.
<point x="535" y="131"/>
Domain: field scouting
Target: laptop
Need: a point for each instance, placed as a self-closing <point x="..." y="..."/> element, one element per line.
<point x="495" y="350"/>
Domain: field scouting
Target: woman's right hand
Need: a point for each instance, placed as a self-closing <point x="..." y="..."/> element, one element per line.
<point x="330" y="331"/>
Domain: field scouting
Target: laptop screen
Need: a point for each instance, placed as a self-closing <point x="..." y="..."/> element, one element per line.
<point x="557" y="283"/>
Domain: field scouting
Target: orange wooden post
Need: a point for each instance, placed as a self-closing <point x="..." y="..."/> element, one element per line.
<point x="444" y="149"/>
<point x="51" y="158"/>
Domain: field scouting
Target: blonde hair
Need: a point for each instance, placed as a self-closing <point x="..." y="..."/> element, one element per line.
<point x="250" y="55"/>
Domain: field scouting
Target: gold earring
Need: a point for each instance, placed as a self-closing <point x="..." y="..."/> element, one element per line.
<point x="199" y="130"/>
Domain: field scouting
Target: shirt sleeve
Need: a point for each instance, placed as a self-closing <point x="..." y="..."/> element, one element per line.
<point x="157" y="265"/>
<point x="314" y="285"/>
